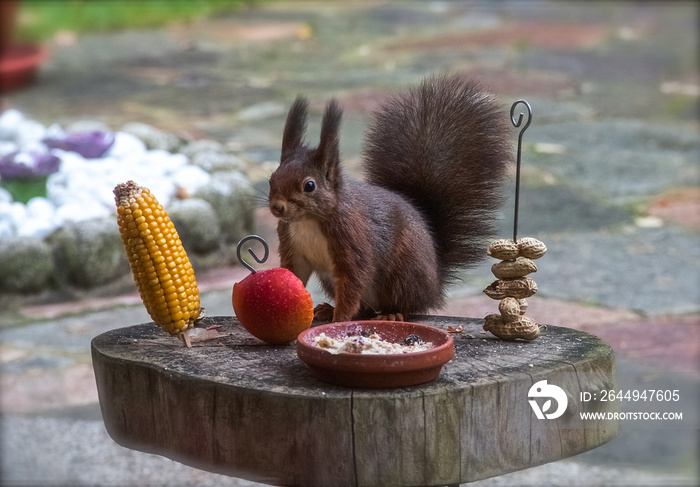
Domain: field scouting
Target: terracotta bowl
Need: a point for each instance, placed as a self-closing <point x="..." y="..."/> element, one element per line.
<point x="376" y="371"/>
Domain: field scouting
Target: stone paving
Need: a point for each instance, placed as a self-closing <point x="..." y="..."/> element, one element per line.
<point x="610" y="183"/>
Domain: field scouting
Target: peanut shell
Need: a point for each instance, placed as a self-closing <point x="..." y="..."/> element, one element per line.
<point x="509" y="309"/>
<point x="522" y="287"/>
<point x="503" y="249"/>
<point x="525" y="329"/>
<point x="531" y="248"/>
<point x="523" y="306"/>
<point x="508" y="269"/>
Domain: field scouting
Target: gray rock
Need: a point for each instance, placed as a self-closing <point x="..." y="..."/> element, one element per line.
<point x="217" y="161"/>
<point x="154" y="138"/>
<point x="231" y="196"/>
<point x="26" y="265"/>
<point x="87" y="126"/>
<point x="89" y="253"/>
<point x="260" y="111"/>
<point x="212" y="156"/>
<point x="197" y="225"/>
<point x="205" y="145"/>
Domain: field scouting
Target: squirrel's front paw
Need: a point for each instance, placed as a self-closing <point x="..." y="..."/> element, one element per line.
<point x="324" y="312"/>
<point x="389" y="317"/>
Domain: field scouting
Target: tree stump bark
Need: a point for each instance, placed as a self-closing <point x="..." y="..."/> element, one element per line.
<point x="237" y="406"/>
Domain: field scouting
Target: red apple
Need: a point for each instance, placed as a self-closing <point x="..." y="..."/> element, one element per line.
<point x="273" y="305"/>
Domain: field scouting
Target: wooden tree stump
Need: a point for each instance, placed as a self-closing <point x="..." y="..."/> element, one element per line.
<point x="237" y="406"/>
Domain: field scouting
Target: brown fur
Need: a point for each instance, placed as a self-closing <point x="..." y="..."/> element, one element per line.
<point x="434" y="161"/>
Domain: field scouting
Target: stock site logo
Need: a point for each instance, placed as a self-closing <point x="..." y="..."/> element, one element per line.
<point x="543" y="390"/>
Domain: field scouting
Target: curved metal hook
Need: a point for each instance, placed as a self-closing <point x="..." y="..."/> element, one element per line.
<point x="517" y="123"/>
<point x="250" y="251"/>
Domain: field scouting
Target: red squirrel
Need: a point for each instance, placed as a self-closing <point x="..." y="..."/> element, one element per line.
<point x="434" y="162"/>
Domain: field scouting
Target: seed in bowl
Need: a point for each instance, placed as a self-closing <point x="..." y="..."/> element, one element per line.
<point x="371" y="344"/>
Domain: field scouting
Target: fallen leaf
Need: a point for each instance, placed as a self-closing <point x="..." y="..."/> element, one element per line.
<point x="202" y="334"/>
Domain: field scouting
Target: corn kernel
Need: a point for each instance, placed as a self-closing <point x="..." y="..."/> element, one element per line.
<point x="159" y="263"/>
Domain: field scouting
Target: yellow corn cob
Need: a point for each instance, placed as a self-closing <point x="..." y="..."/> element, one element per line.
<point x="161" y="269"/>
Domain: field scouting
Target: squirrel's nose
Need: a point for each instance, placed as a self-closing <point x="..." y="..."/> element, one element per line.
<point x="277" y="208"/>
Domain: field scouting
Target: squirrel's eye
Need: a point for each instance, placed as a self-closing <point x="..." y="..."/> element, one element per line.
<point x="309" y="186"/>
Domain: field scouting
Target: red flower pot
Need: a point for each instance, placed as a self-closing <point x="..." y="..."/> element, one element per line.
<point x="18" y="65"/>
<point x="18" y="62"/>
<point x="8" y="11"/>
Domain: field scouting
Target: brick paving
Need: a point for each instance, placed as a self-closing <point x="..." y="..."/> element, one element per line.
<point x="610" y="184"/>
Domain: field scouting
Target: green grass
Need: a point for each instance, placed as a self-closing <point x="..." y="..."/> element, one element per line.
<point x="42" y="19"/>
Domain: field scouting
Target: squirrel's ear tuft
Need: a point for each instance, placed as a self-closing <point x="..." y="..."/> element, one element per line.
<point x="329" y="148"/>
<point x="295" y="127"/>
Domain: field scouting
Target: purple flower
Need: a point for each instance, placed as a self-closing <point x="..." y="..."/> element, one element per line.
<point x="28" y="164"/>
<point x="91" y="145"/>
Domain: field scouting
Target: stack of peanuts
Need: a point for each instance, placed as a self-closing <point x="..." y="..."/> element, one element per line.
<point x="512" y="287"/>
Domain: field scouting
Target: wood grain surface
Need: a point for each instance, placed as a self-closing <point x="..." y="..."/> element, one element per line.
<point x="237" y="406"/>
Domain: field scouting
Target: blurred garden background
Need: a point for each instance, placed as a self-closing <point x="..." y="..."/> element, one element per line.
<point x="40" y="20"/>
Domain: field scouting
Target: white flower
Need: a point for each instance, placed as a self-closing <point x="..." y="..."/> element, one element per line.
<point x="7" y="147"/>
<point x="5" y="197"/>
<point x="80" y="210"/>
<point x="40" y="208"/>
<point x="36" y="227"/>
<point x="6" y="229"/>
<point x="10" y="121"/>
<point x="191" y="178"/>
<point x="30" y="132"/>
<point x="126" y="145"/>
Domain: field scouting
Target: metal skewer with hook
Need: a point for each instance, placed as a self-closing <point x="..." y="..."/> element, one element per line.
<point x="512" y="285"/>
<point x="517" y="122"/>
<point x="250" y="251"/>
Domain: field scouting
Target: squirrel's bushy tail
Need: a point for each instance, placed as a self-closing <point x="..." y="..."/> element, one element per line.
<point x="446" y="146"/>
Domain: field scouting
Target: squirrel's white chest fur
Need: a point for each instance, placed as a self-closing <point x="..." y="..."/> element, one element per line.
<point x="309" y="242"/>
